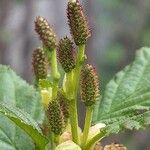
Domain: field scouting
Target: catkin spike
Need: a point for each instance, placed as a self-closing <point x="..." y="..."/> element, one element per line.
<point x="65" y="54"/>
<point x="55" y="117"/>
<point x="39" y="64"/>
<point x="89" y="85"/>
<point x="46" y="33"/>
<point x="78" y="24"/>
<point x="63" y="101"/>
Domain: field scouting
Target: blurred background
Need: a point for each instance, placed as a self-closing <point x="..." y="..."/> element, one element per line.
<point x="119" y="28"/>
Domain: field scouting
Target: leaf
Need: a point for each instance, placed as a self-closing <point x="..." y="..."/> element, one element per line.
<point x="126" y="100"/>
<point x="24" y="121"/>
<point x="45" y="83"/>
<point x="17" y="93"/>
<point x="68" y="145"/>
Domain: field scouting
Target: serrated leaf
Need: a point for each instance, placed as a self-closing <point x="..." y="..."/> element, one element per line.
<point x="16" y="92"/>
<point x="24" y="121"/>
<point x="126" y="100"/>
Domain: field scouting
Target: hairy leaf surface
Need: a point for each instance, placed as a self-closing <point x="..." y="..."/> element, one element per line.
<point x="17" y="93"/>
<point x="126" y="100"/>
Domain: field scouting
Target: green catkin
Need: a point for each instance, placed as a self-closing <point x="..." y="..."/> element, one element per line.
<point x="78" y="24"/>
<point x="55" y="117"/>
<point x="65" y="54"/>
<point x="46" y="33"/>
<point x="39" y="64"/>
<point x="89" y="85"/>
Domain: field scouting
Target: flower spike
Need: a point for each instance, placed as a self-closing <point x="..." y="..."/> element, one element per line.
<point x="78" y="24"/>
<point x="55" y="117"/>
<point x="65" y="54"/>
<point x="39" y="64"/>
<point x="46" y="33"/>
<point x="89" y="85"/>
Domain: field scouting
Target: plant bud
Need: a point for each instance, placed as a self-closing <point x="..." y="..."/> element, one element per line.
<point x="63" y="101"/>
<point x="46" y="33"/>
<point x="55" y="117"/>
<point x="65" y="54"/>
<point x="115" y="147"/>
<point x="39" y="64"/>
<point x="78" y="24"/>
<point x="89" y="85"/>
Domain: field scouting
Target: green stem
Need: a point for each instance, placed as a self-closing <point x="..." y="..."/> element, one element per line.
<point x="95" y="139"/>
<point x="87" y="124"/>
<point x="68" y="85"/>
<point x="74" y="121"/>
<point x="72" y="91"/>
<point x="57" y="138"/>
<point x="72" y="107"/>
<point x="52" y="139"/>
<point x="55" y="73"/>
<point x="79" y="62"/>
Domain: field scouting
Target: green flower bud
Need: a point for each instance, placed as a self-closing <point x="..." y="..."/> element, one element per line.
<point x="63" y="101"/>
<point x="78" y="24"/>
<point x="55" y="117"/>
<point x="65" y="54"/>
<point x="39" y="64"/>
<point x="46" y="33"/>
<point x="89" y="85"/>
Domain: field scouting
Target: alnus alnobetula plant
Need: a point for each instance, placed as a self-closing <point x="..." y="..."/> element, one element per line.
<point x="48" y="112"/>
<point x="60" y="99"/>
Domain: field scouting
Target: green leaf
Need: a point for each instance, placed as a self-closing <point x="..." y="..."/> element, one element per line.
<point x="126" y="100"/>
<point x="24" y="121"/>
<point x="16" y="92"/>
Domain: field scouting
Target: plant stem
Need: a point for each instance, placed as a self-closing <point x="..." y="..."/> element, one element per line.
<point x="79" y="62"/>
<point x="69" y="86"/>
<point x="74" y="121"/>
<point x="95" y="139"/>
<point x="87" y="124"/>
<point x="55" y="73"/>
<point x="52" y="137"/>
<point x="72" y="91"/>
<point x="57" y="138"/>
<point x="72" y="107"/>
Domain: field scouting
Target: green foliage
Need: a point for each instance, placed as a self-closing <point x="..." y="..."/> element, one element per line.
<point x="24" y="121"/>
<point x="126" y="100"/>
<point x="17" y="93"/>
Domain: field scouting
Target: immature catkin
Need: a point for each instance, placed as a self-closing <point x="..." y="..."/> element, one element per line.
<point x="64" y="105"/>
<point x="115" y="147"/>
<point x="46" y="33"/>
<point x="55" y="117"/>
<point x="78" y="24"/>
<point x="65" y="54"/>
<point x="39" y="64"/>
<point x="89" y="85"/>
